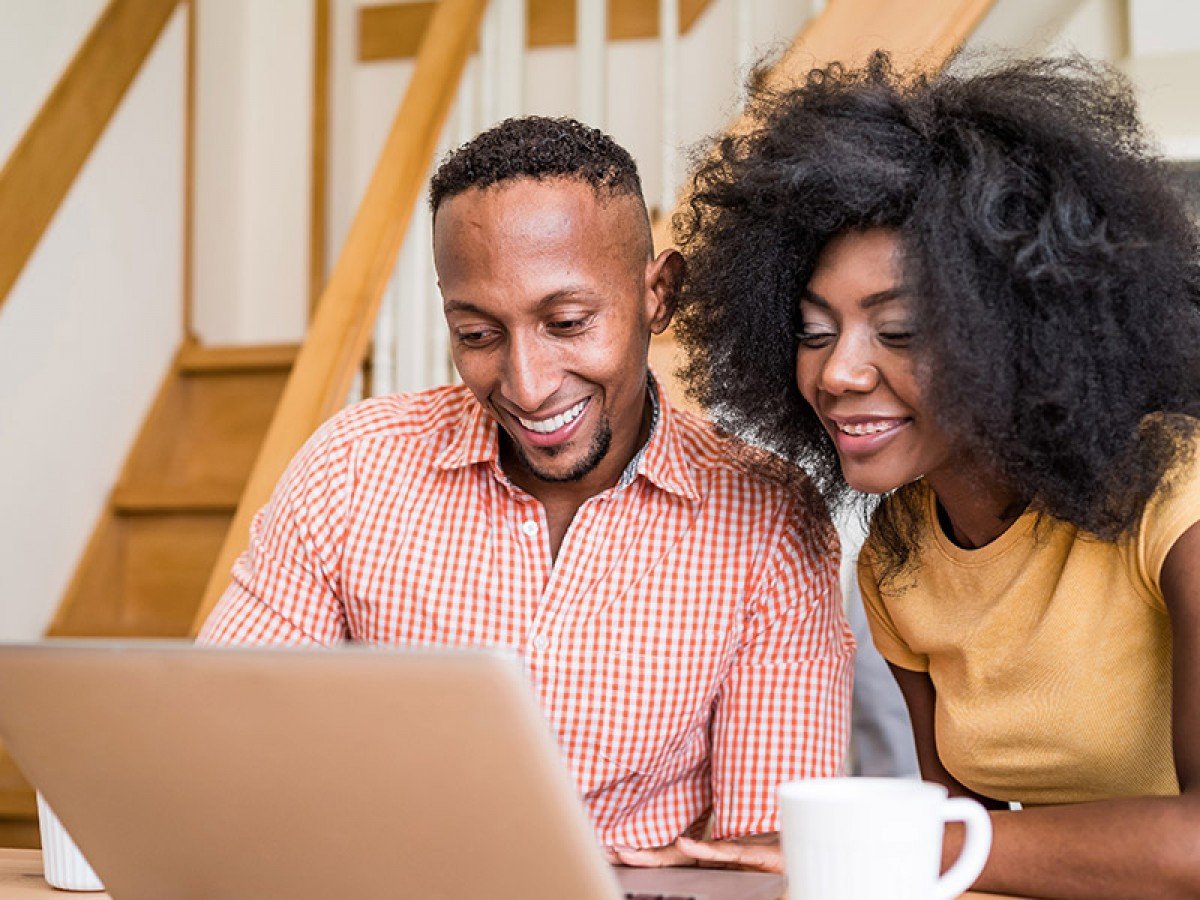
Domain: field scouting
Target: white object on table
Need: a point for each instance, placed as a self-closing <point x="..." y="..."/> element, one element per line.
<point x="877" y="839"/>
<point x="64" y="865"/>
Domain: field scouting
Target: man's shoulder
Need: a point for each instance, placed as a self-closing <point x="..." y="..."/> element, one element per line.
<point x="433" y="416"/>
<point x="719" y="459"/>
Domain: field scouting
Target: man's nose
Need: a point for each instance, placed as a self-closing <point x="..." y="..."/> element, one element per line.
<point x="532" y="373"/>
<point x="850" y="366"/>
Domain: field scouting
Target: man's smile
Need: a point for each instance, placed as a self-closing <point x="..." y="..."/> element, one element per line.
<point x="555" y="430"/>
<point x="553" y="423"/>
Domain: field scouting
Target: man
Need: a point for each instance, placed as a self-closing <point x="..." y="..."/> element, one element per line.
<point x="674" y="598"/>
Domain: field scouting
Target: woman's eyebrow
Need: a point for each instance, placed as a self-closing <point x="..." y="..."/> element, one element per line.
<point x="879" y="297"/>
<point x="867" y="302"/>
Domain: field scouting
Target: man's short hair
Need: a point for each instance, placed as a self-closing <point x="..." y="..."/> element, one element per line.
<point x="537" y="147"/>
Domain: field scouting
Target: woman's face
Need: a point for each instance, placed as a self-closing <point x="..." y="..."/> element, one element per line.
<point x="855" y="367"/>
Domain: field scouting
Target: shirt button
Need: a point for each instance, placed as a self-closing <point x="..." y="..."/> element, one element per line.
<point x="530" y="528"/>
<point x="540" y="642"/>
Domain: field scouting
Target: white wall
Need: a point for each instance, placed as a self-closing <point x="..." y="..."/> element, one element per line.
<point x="1164" y="64"/>
<point x="88" y="331"/>
<point x="254" y="75"/>
<point x="38" y="38"/>
<point x="1156" y="43"/>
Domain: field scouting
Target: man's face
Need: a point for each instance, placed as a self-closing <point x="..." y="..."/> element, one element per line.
<point x="551" y="300"/>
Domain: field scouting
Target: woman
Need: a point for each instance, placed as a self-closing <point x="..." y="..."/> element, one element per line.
<point x="977" y="296"/>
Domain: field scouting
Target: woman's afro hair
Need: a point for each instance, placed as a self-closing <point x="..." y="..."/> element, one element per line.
<point x="1052" y="263"/>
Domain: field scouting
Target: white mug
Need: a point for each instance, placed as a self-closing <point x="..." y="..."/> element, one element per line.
<point x="877" y="839"/>
<point x="62" y="864"/>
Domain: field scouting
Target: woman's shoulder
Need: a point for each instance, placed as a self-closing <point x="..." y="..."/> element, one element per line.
<point x="1175" y="505"/>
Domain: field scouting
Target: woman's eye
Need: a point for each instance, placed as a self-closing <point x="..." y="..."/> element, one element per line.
<point x="814" y="337"/>
<point x="896" y="338"/>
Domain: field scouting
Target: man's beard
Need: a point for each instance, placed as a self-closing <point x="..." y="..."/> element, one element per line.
<point x="596" y="452"/>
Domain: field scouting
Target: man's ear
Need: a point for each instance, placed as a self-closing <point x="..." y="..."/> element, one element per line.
<point x="664" y="275"/>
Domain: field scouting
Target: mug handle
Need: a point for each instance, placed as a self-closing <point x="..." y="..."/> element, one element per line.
<point x="960" y="876"/>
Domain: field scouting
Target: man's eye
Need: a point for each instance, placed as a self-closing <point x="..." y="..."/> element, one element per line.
<point x="566" y="326"/>
<point x="475" y="337"/>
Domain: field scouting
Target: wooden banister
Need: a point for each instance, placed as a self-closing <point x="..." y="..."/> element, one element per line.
<point x="921" y="35"/>
<point x="337" y="340"/>
<point x="47" y="159"/>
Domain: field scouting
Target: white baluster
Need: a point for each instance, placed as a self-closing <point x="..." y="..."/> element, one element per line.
<point x="383" y="351"/>
<point x="591" y="40"/>
<point x="511" y="86"/>
<point x="668" y="36"/>
<point x="465" y="117"/>
<point x="490" y="74"/>
<point x="744" y="37"/>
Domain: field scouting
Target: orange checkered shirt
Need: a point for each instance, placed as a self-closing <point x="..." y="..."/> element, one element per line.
<point x="687" y="645"/>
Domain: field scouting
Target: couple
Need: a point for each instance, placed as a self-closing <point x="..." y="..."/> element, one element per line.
<point x="974" y="295"/>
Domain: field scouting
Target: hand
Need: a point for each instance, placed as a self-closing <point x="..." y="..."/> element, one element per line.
<point x="759" y="852"/>
<point x="652" y="858"/>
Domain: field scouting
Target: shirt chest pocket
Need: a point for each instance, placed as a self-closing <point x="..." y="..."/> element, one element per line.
<point x="636" y="706"/>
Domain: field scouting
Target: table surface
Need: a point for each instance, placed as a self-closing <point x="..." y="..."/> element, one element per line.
<point x="21" y="877"/>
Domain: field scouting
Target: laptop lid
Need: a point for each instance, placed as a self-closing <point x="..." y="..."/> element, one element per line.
<point x="220" y="772"/>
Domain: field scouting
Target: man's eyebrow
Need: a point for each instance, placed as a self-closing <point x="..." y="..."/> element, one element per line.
<point x="570" y="293"/>
<point x="867" y="302"/>
<point x="466" y="306"/>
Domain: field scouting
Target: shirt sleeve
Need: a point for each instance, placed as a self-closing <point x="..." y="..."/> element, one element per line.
<point x="884" y="634"/>
<point x="783" y="711"/>
<point x="1173" y="510"/>
<point x="285" y="587"/>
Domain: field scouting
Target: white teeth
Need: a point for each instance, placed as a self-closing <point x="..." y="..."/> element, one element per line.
<point x="867" y="427"/>
<point x="548" y="426"/>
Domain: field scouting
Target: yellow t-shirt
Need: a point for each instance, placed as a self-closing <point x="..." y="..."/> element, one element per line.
<point x="1050" y="651"/>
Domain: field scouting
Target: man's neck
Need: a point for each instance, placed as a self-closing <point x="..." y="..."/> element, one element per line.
<point x="562" y="499"/>
<point x="578" y="491"/>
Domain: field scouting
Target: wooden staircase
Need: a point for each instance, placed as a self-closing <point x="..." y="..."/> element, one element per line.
<point x="150" y="556"/>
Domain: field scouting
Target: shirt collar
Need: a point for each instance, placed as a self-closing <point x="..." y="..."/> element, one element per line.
<point x="661" y="460"/>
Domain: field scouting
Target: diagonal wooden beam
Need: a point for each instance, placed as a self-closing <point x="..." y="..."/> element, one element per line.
<point x="46" y="161"/>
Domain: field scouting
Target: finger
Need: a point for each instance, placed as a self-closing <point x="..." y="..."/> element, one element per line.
<point x="656" y="857"/>
<point x="709" y="851"/>
<point x="760" y="857"/>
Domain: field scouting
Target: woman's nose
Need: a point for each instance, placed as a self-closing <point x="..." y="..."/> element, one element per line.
<point x="849" y="367"/>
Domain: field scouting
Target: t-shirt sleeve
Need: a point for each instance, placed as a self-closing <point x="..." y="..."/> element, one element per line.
<point x="886" y="637"/>
<point x="1171" y="512"/>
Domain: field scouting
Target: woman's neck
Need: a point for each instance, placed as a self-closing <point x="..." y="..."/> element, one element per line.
<point x="974" y="509"/>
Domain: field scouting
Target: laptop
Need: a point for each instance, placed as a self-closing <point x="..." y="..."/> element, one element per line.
<point x="185" y="771"/>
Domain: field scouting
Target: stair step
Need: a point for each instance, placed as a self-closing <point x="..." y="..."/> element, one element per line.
<point x="142" y="576"/>
<point x="149" y="499"/>
<point x="197" y="360"/>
